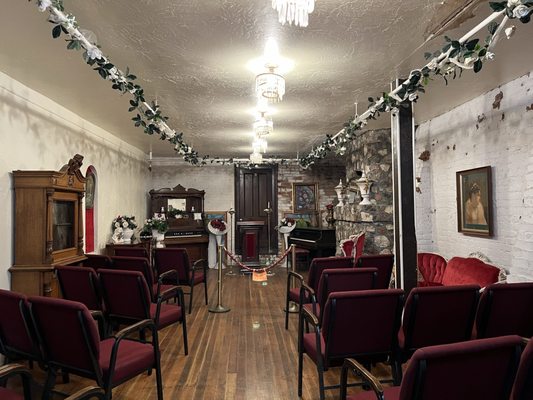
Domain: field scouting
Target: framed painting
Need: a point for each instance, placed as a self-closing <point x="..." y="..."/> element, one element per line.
<point x="304" y="197"/>
<point x="209" y="215"/>
<point x="303" y="220"/>
<point x="474" y="201"/>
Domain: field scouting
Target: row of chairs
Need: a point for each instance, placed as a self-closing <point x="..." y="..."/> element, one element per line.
<point x="368" y="323"/>
<point x="164" y="260"/>
<point x="483" y="369"/>
<point x="304" y="291"/>
<point x="62" y="335"/>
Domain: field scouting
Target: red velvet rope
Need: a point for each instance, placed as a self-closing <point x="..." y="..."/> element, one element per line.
<point x="240" y="264"/>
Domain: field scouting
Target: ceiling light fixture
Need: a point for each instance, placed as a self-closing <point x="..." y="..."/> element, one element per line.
<point x="256" y="158"/>
<point x="263" y="126"/>
<point x="270" y="84"/>
<point x="294" y="11"/>
<point x="259" y="145"/>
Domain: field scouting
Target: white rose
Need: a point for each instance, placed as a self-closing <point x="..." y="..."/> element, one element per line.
<point x="413" y="97"/>
<point x="94" y="53"/>
<point x="512" y="3"/>
<point x="289" y="224"/>
<point x="490" y="56"/>
<point x="117" y="224"/>
<point x="44" y="4"/>
<point x="520" y="11"/>
<point x="125" y="224"/>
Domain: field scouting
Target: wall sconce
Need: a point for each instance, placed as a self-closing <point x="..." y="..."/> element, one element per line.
<point x="424" y="156"/>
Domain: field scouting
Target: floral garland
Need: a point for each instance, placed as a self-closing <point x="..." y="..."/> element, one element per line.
<point x="455" y="56"/>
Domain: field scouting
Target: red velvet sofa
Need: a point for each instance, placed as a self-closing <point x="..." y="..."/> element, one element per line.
<point x="436" y="271"/>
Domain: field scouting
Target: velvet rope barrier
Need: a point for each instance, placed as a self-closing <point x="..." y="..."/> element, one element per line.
<point x="264" y="269"/>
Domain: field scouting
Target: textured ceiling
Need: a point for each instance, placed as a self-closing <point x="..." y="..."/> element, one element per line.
<point x="191" y="56"/>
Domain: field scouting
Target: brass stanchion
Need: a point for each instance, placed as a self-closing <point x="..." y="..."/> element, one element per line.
<point x="219" y="307"/>
<point x="293" y="307"/>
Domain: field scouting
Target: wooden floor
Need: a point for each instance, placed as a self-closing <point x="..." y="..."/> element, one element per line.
<point x="243" y="354"/>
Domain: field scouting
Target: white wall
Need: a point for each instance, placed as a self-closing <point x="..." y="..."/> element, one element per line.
<point x="473" y="135"/>
<point x="38" y="134"/>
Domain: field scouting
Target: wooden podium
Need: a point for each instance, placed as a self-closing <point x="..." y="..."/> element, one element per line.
<point x="249" y="231"/>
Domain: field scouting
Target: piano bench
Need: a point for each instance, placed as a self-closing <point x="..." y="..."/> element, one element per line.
<point x="303" y="257"/>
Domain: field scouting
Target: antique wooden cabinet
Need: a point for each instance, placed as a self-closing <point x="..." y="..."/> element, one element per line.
<point x="184" y="211"/>
<point x="48" y="226"/>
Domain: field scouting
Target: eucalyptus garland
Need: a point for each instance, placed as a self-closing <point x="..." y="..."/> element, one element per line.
<point x="448" y="62"/>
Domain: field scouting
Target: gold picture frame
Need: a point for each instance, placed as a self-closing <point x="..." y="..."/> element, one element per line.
<point x="304" y="197"/>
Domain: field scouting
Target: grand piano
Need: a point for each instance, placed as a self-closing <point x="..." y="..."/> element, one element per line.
<point x="321" y="242"/>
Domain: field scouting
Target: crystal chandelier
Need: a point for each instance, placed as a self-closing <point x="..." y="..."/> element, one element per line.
<point x="256" y="158"/>
<point x="270" y="84"/>
<point x="259" y="145"/>
<point x="294" y="11"/>
<point x="263" y="126"/>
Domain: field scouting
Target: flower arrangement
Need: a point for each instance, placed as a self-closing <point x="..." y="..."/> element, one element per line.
<point x="124" y="222"/>
<point x="158" y="223"/>
<point x="287" y="222"/>
<point x="218" y="224"/>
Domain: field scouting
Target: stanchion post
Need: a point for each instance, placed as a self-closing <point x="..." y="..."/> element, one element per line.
<point x="219" y="307"/>
<point x="293" y="307"/>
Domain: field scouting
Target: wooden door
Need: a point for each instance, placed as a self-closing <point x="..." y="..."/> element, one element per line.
<point x="255" y="189"/>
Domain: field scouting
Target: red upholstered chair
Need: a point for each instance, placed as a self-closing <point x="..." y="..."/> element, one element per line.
<point x="431" y="266"/>
<point x="127" y="299"/>
<point x="505" y="309"/>
<point x="80" y="284"/>
<point x="339" y="280"/>
<point x="469" y="271"/>
<point x="475" y="370"/>
<point x="9" y="371"/>
<point x="313" y="277"/>
<point x="177" y="259"/>
<point x="96" y="261"/>
<point x="131" y="251"/>
<point x="353" y="246"/>
<point x="142" y="265"/>
<point x="360" y="324"/>
<point x="523" y="385"/>
<point x="17" y="335"/>
<point x="384" y="264"/>
<point x="437" y="315"/>
<point x="69" y="338"/>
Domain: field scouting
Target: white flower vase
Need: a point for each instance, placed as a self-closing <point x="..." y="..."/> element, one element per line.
<point x="159" y="237"/>
<point x="364" y="184"/>
<point x="127" y="234"/>
<point x="219" y="235"/>
<point x="286" y="231"/>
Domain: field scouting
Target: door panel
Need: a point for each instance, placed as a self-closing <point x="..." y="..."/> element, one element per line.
<point x="255" y="188"/>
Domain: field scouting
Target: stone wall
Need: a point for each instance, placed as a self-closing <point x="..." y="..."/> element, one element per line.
<point x="372" y="152"/>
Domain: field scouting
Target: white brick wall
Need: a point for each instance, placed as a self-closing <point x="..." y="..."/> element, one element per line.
<point x="458" y="141"/>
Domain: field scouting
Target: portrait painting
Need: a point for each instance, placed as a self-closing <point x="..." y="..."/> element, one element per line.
<point x="474" y="201"/>
<point x="304" y="197"/>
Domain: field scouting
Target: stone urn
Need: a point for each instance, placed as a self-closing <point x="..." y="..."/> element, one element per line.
<point x="127" y="234"/>
<point x="364" y="184"/>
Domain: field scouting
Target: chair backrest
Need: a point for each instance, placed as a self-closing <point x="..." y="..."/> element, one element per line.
<point x="431" y="266"/>
<point x="17" y="335"/>
<point x="439" y="315"/>
<point x="505" y="309"/>
<point x="97" y="261"/>
<point x="523" y="385"/>
<point x="361" y="322"/>
<point x="68" y="335"/>
<point x="475" y="370"/>
<point x="126" y="294"/>
<point x="353" y="243"/>
<point x="139" y="264"/>
<point x="80" y="284"/>
<point x="469" y="270"/>
<point x="384" y="264"/>
<point x="321" y="263"/>
<point x="130" y="251"/>
<point x="173" y="258"/>
<point x="344" y="280"/>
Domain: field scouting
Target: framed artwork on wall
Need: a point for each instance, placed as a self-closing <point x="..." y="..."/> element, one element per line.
<point x="474" y="201"/>
<point x="209" y="215"/>
<point x="304" y="197"/>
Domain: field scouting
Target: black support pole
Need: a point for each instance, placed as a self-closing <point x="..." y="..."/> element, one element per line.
<point x="405" y="248"/>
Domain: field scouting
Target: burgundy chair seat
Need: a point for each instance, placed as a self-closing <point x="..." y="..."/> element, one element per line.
<point x="132" y="358"/>
<point x="294" y="294"/>
<point x="168" y="314"/>
<point x="390" y="393"/>
<point x="523" y="385"/>
<point x="7" y="394"/>
<point x="309" y="343"/>
<point x="199" y="277"/>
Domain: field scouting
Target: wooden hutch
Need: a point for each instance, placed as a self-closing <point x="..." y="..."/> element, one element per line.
<point x="184" y="211"/>
<point x="48" y="226"/>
